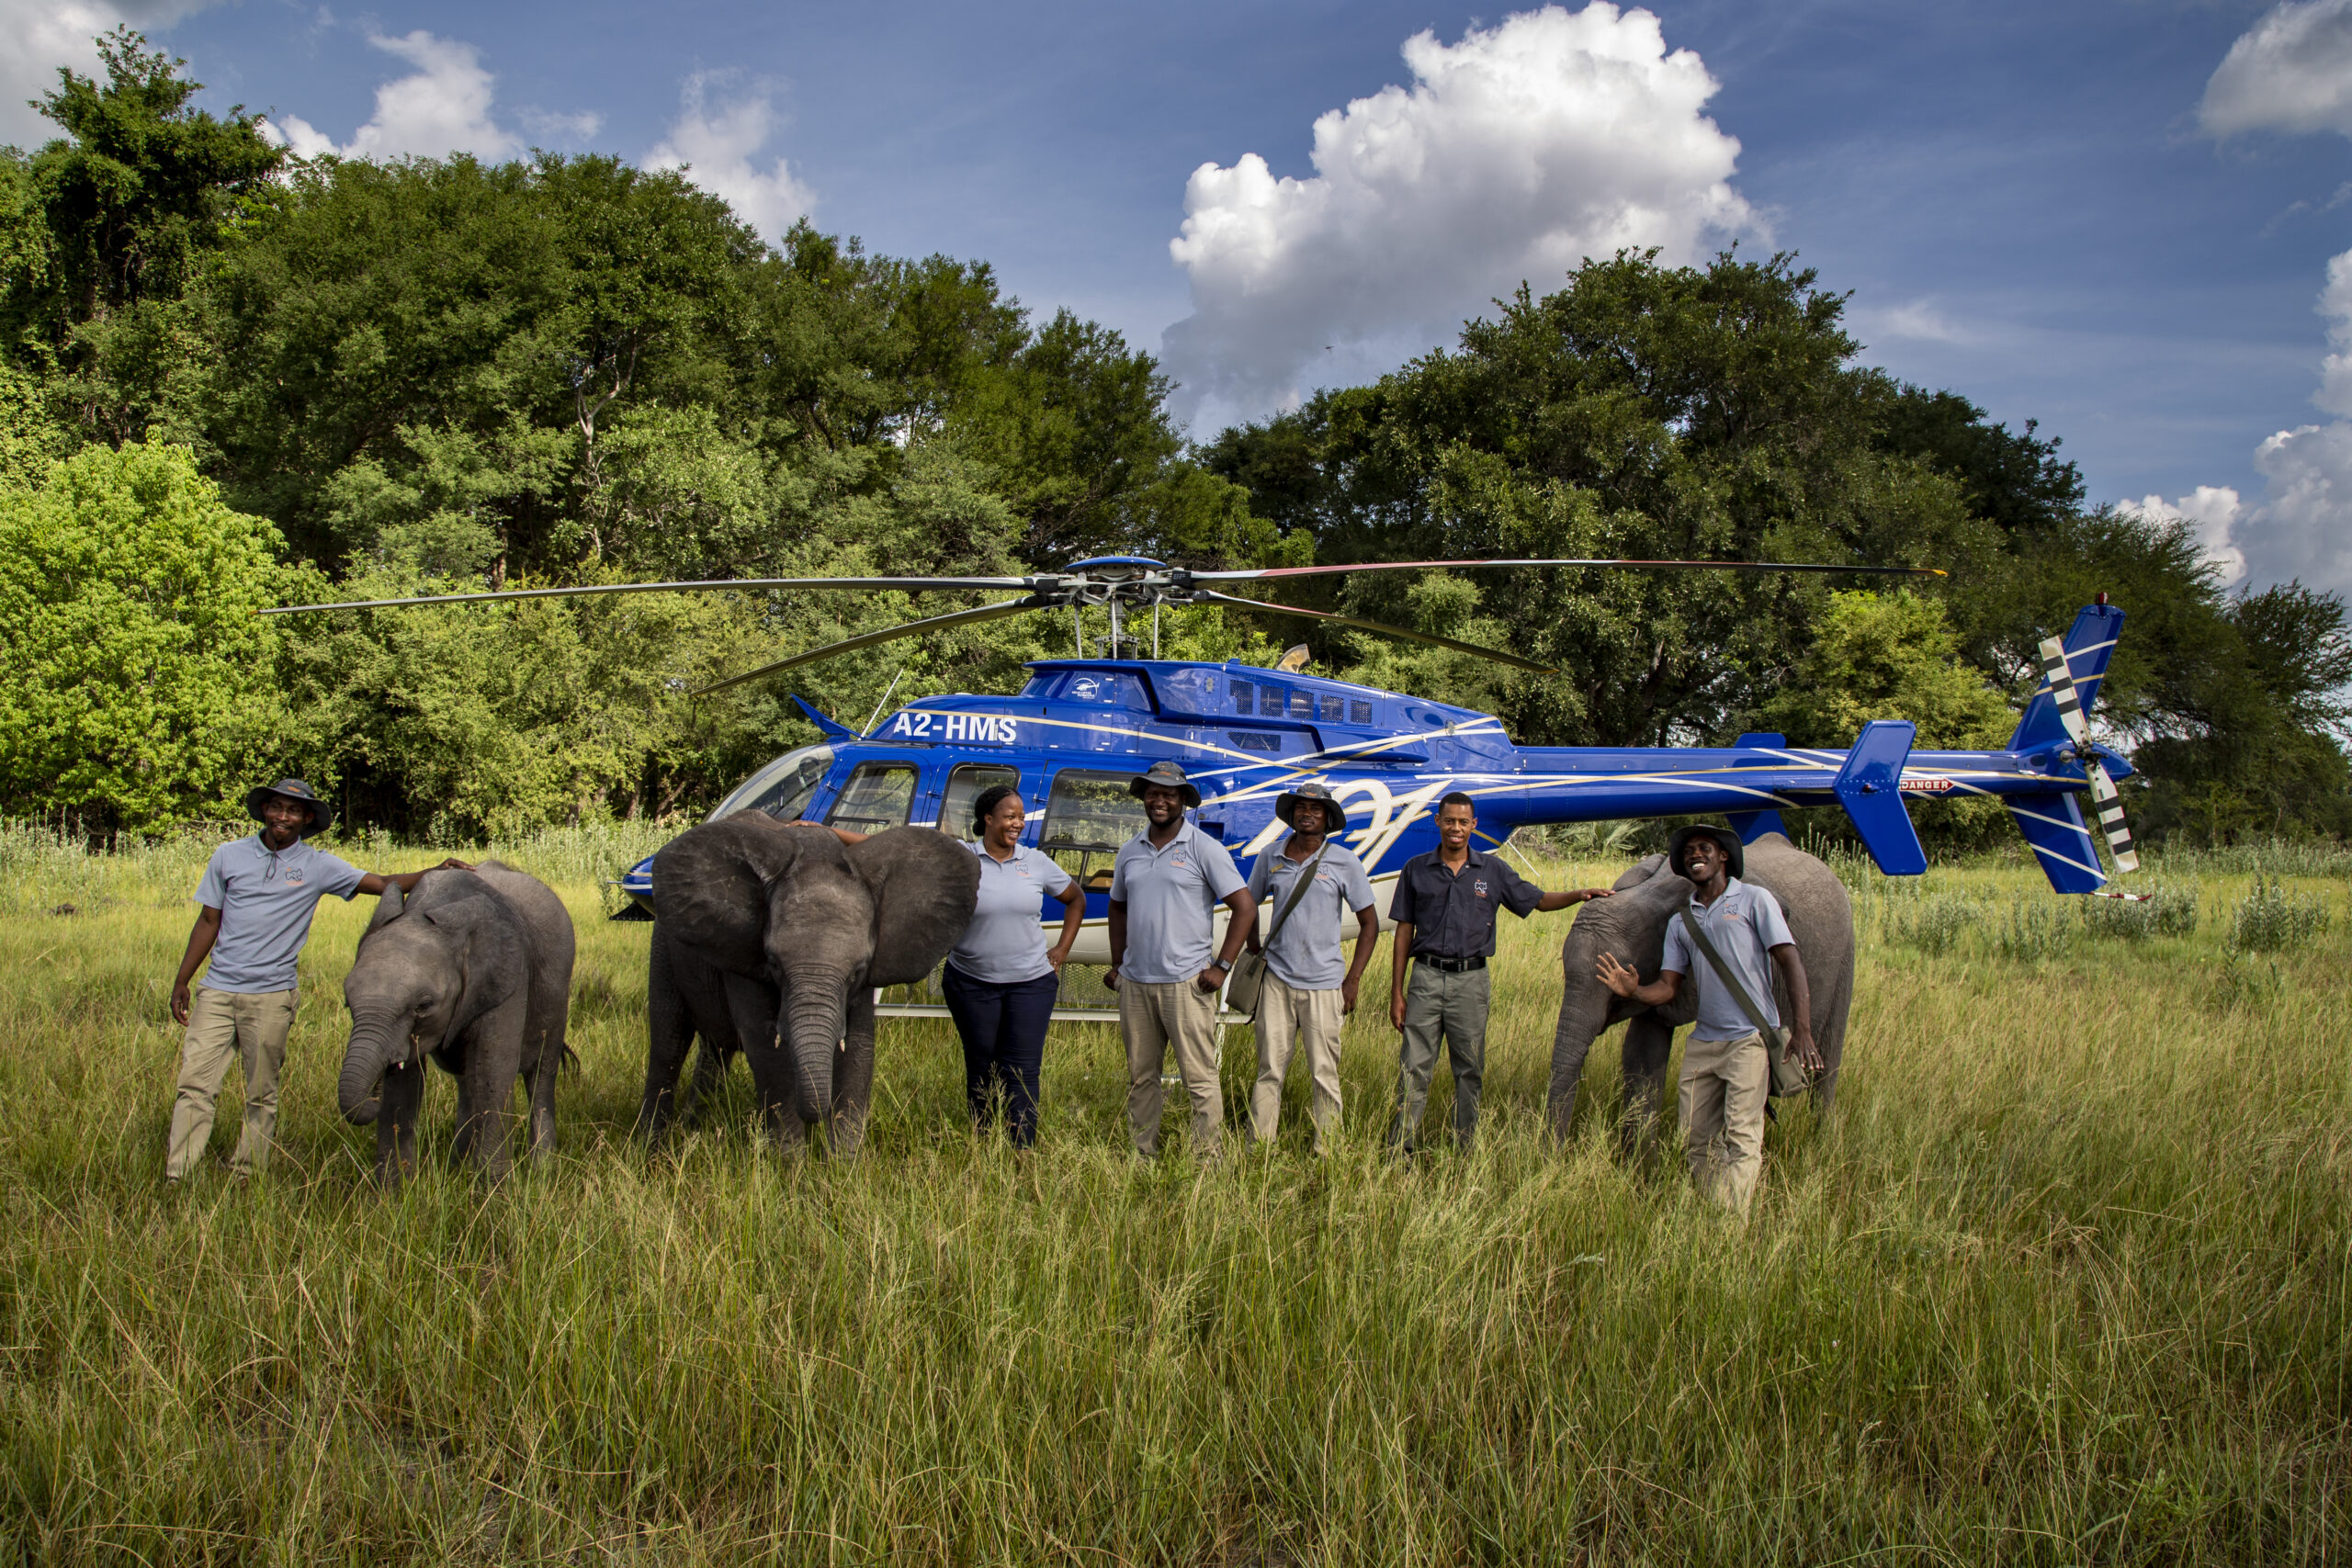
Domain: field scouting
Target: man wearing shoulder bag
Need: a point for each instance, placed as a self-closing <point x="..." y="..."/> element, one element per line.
<point x="1304" y="984"/>
<point x="1730" y="938"/>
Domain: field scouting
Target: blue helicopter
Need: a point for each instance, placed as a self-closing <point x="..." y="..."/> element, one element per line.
<point x="1071" y="738"/>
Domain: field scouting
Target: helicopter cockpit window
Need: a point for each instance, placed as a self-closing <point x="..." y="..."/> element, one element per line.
<point x="1088" y="817"/>
<point x="964" y="785"/>
<point x="1112" y="688"/>
<point x="877" y="796"/>
<point x="783" y="788"/>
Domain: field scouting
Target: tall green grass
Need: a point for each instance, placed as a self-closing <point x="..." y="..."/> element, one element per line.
<point x="2066" y="1280"/>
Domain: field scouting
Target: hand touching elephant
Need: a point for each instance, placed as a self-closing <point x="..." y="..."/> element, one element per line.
<point x="474" y="969"/>
<point x="773" y="937"/>
<point x="1631" y="926"/>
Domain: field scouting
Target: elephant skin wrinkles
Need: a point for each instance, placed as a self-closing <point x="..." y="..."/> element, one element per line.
<point x="1632" y="925"/>
<point x="770" y="939"/>
<point x="474" y="969"/>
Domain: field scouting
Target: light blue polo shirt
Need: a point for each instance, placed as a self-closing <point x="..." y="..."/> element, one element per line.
<point x="1171" y="895"/>
<point x="1005" y="944"/>
<point x="1745" y="924"/>
<point x="1305" y="954"/>
<point x="266" y="899"/>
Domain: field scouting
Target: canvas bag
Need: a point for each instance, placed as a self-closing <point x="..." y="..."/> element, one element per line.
<point x="1789" y="1076"/>
<point x="1249" y="976"/>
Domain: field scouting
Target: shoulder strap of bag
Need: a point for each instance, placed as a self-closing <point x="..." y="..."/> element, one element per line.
<point x="1298" y="891"/>
<point x="1731" y="981"/>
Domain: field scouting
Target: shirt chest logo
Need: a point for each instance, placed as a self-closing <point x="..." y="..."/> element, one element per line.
<point x="1478" y="889"/>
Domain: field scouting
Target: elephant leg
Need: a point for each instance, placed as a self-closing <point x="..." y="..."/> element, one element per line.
<point x="401" y="1098"/>
<point x="709" y="1077"/>
<point x="669" y="1033"/>
<point x="1571" y="1042"/>
<point x="486" y="1106"/>
<point x="542" y="1077"/>
<point x="854" y="1077"/>
<point x="1649" y="1041"/>
<point x="753" y="1005"/>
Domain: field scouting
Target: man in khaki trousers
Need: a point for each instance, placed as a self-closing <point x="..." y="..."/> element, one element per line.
<point x="1309" y="885"/>
<point x="1165" y="887"/>
<point x="257" y="897"/>
<point x="1726" y="1075"/>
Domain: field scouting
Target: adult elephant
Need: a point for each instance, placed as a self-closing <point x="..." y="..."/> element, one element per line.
<point x="770" y="937"/>
<point x="474" y="970"/>
<point x="1631" y="923"/>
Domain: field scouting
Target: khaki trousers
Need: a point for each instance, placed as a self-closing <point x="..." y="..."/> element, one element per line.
<point x="1725" y="1085"/>
<point x="1151" y="1018"/>
<point x="222" y="1025"/>
<point x="1286" y="1018"/>
<point x="1449" y="1010"/>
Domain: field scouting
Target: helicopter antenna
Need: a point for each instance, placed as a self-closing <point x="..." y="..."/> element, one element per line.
<point x="885" y="702"/>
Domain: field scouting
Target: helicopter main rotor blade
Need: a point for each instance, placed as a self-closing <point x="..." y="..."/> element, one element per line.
<point x="1661" y="565"/>
<point x="869" y="584"/>
<point x="1382" y="626"/>
<point x="910" y="629"/>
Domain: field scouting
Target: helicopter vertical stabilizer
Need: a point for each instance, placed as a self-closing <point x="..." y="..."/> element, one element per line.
<point x="1870" y="786"/>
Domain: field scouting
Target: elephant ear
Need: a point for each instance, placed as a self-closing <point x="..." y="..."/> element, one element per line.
<point x="925" y="886"/>
<point x="1641" y="871"/>
<point x="490" y="950"/>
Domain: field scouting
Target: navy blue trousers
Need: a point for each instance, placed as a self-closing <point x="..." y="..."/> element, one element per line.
<point x="1004" y="1045"/>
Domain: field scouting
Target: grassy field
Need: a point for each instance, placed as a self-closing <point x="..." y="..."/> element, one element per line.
<point x="2067" y="1281"/>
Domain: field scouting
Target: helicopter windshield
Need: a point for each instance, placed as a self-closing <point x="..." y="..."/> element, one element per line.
<point x="782" y="788"/>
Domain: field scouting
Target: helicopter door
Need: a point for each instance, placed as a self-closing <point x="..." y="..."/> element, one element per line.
<point x="1088" y="817"/>
<point x="879" y="795"/>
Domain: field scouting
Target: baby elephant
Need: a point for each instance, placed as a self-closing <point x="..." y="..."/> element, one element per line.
<point x="473" y="969"/>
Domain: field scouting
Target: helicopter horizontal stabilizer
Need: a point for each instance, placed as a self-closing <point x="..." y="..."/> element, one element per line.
<point x="1870" y="786"/>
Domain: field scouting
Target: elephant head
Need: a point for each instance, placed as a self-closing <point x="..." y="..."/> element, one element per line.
<point x="428" y="964"/>
<point x="1631" y="925"/>
<point x="788" y="904"/>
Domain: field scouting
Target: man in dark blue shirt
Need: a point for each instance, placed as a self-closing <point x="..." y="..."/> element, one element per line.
<point x="1444" y="909"/>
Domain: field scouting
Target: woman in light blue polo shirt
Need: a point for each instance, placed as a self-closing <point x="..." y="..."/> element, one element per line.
<point x="1003" y="980"/>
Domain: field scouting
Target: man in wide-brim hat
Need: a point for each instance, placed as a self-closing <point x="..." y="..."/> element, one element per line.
<point x="1726" y="1070"/>
<point x="257" y="897"/>
<point x="1311" y="883"/>
<point x="1165" y="887"/>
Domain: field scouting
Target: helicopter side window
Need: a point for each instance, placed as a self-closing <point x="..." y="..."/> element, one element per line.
<point x="783" y="788"/>
<point x="964" y="785"/>
<point x="877" y="796"/>
<point x="1088" y="816"/>
<point x="1302" y="705"/>
<point x="1331" y="710"/>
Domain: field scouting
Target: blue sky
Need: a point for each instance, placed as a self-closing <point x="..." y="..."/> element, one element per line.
<point x="2059" y="211"/>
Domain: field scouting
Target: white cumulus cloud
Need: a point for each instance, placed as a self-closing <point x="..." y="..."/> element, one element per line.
<point x="43" y="35"/>
<point x="2302" y="525"/>
<point x="1515" y="154"/>
<point x="719" y="142"/>
<point x="2214" y="512"/>
<point x="445" y="105"/>
<point x="2292" y="71"/>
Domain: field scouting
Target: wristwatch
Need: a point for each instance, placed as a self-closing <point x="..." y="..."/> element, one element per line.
<point x="1220" y="964"/>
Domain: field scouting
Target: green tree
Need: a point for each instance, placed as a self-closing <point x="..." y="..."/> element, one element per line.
<point x="131" y="657"/>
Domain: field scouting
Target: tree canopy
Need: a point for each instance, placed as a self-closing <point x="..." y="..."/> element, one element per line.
<point x="358" y="379"/>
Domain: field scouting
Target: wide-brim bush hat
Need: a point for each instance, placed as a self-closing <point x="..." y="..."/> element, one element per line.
<point x="1733" y="850"/>
<point x="1335" y="815"/>
<point x="1171" y="775"/>
<point x="321" y="814"/>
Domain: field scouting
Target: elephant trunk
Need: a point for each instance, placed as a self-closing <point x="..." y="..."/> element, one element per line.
<point x="374" y="1044"/>
<point x="815" y="1006"/>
